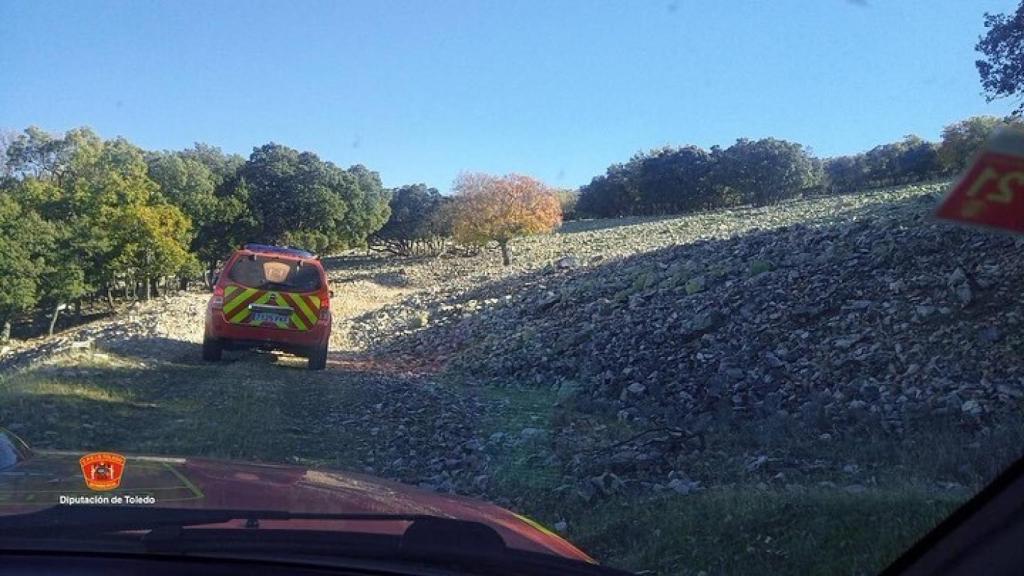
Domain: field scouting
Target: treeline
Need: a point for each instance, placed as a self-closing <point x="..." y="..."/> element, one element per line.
<point x="86" y="218"/>
<point x="766" y="171"/>
<point x="83" y="218"/>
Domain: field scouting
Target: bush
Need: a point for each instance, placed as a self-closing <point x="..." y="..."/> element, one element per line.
<point x="417" y="224"/>
<point x="568" y="199"/>
<point x="680" y="180"/>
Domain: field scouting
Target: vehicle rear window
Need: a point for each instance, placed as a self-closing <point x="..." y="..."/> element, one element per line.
<point x="275" y="273"/>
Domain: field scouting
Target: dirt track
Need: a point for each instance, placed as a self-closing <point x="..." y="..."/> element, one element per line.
<point x="142" y="372"/>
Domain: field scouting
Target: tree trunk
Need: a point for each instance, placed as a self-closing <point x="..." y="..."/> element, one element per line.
<point x="155" y="283"/>
<point x="110" y="298"/>
<point x="53" y="319"/>
<point x="78" y="308"/>
<point x="146" y="280"/>
<point x="5" y="332"/>
<point x="505" y="259"/>
<point x="183" y="283"/>
<point x="211" y="278"/>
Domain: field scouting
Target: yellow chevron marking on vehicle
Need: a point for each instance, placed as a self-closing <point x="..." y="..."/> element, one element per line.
<point x="229" y="307"/>
<point x="304" y="308"/>
<point x="308" y="314"/>
<point x="266" y="297"/>
<point x="245" y="312"/>
<point x="237" y="318"/>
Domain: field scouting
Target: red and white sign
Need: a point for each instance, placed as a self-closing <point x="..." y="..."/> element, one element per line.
<point x="990" y="193"/>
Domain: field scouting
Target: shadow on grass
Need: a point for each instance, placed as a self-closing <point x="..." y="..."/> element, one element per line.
<point x="39" y="323"/>
<point x="253" y="407"/>
<point x="231" y="410"/>
<point x="154" y="348"/>
<point x="181" y="353"/>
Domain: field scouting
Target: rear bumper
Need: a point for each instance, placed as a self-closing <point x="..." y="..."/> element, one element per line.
<point x="241" y="336"/>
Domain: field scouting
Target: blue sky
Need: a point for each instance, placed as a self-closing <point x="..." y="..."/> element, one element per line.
<point x="558" y="89"/>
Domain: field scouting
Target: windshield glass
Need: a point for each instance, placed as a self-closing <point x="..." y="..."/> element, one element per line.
<point x="680" y="287"/>
<point x="263" y="272"/>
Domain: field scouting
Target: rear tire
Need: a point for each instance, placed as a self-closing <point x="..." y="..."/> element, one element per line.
<point x="212" y="349"/>
<point x="318" y="357"/>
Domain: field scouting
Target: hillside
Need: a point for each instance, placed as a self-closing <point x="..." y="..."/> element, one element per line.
<point x="832" y="354"/>
<point x="876" y="321"/>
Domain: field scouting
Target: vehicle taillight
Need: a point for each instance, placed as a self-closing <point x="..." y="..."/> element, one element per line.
<point x="325" y="309"/>
<point x="217" y="302"/>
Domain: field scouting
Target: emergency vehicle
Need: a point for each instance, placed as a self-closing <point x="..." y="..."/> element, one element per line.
<point x="270" y="298"/>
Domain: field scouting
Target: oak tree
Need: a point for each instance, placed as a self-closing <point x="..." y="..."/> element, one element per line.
<point x="500" y="208"/>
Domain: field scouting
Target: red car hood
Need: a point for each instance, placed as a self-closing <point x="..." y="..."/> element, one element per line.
<point x="40" y="481"/>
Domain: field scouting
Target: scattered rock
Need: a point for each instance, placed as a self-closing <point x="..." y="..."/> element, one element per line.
<point x="989" y="334"/>
<point x="756" y="463"/>
<point x="529" y="434"/>
<point x="684" y="487"/>
<point x="419" y="320"/>
<point x="607" y="483"/>
<point x="760" y="267"/>
<point x="567" y="263"/>
<point x="695" y="285"/>
<point x="636" y="388"/>
<point x="964" y="294"/>
<point x="972" y="408"/>
<point x="956" y="277"/>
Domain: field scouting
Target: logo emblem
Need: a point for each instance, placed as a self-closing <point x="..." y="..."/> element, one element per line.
<point x="991" y="191"/>
<point x="102" y="470"/>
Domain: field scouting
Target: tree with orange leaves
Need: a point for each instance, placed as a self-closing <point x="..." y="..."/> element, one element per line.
<point x="500" y="208"/>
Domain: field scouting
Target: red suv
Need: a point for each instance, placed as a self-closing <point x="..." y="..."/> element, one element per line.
<point x="270" y="297"/>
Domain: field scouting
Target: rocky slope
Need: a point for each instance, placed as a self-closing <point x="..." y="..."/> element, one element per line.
<point x="836" y="322"/>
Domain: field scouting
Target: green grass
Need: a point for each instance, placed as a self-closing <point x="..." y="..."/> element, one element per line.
<point x="521" y="471"/>
<point x="236" y="410"/>
<point x="743" y="530"/>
